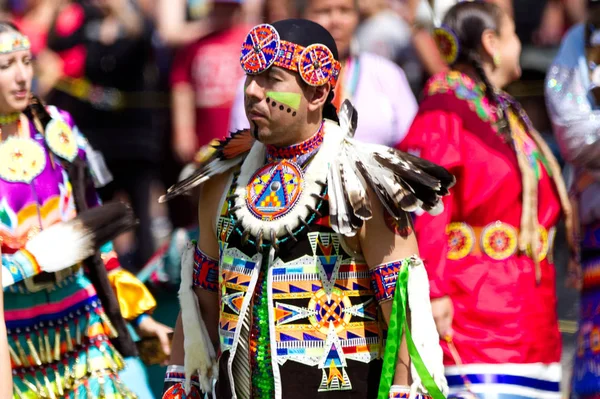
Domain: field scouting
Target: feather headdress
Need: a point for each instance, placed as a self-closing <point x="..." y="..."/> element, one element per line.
<point x="402" y="182"/>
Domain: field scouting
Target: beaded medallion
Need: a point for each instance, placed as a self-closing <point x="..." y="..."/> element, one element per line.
<point x="461" y="240"/>
<point x="499" y="241"/>
<point x="61" y="140"/>
<point x="316" y="65"/>
<point x="274" y="190"/>
<point x="23" y="160"/>
<point x="260" y="49"/>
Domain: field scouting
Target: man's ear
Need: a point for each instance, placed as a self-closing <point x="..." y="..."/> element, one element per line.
<point x="317" y="96"/>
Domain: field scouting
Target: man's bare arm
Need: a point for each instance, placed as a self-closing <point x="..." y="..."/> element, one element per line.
<point x="380" y="245"/>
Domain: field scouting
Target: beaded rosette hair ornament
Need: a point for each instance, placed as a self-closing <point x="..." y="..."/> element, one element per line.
<point x="263" y="48"/>
<point x="448" y="43"/>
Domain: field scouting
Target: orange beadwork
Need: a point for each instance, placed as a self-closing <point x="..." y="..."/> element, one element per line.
<point x="263" y="49"/>
<point x="274" y="190"/>
<point x="497" y="240"/>
<point x="461" y="240"/>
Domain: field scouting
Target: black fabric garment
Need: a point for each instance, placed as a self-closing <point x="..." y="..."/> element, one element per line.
<point x="119" y="134"/>
<point x="528" y="17"/>
<point x="135" y="178"/>
<point x="299" y="380"/>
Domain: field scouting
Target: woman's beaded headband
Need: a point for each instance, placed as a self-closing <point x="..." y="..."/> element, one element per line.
<point x="263" y="48"/>
<point x="12" y="42"/>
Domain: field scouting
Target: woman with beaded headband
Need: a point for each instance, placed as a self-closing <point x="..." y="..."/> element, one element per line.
<point x="489" y="254"/>
<point x="61" y="323"/>
<point x="572" y="98"/>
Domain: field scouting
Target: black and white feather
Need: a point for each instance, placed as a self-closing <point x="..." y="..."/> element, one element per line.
<point x="226" y="154"/>
<point x="66" y="244"/>
<point x="402" y="182"/>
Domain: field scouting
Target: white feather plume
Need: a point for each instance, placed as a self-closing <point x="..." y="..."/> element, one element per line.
<point x="423" y="329"/>
<point x="200" y="356"/>
<point x="61" y="245"/>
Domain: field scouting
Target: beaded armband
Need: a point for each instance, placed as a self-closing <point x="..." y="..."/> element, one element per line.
<point x="402" y="391"/>
<point x="206" y="271"/>
<point x="174" y="387"/>
<point x="383" y="280"/>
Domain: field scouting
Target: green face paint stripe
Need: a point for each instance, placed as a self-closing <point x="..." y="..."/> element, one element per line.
<point x="292" y="100"/>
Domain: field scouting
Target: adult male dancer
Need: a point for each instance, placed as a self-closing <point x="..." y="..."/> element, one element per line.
<point x="304" y="238"/>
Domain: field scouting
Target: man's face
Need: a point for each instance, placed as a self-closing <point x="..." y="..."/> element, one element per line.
<point x="276" y="105"/>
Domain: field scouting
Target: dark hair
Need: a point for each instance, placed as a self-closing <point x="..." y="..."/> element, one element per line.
<point x="6" y="26"/>
<point x="469" y="20"/>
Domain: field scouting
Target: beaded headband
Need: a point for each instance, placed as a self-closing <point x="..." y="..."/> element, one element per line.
<point x="12" y="42"/>
<point x="448" y="43"/>
<point x="263" y="48"/>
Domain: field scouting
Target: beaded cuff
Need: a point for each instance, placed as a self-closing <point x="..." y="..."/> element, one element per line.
<point x="383" y="280"/>
<point x="401" y="391"/>
<point x="174" y="387"/>
<point x="18" y="267"/>
<point x="206" y="271"/>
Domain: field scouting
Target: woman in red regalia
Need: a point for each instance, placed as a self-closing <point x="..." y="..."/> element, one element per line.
<point x="488" y="254"/>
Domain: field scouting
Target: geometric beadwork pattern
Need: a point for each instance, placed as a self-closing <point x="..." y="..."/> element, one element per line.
<point x="236" y="273"/>
<point x="274" y="190"/>
<point x="383" y="280"/>
<point x="326" y="249"/>
<point x="263" y="48"/>
<point x="260" y="49"/>
<point x="316" y="65"/>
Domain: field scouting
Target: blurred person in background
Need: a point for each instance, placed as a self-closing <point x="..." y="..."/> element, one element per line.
<point x="489" y="254"/>
<point x="573" y="99"/>
<point x="204" y="79"/>
<point x="376" y="86"/>
<point x="180" y="24"/>
<point x="383" y="32"/>
<point x="105" y="46"/>
<point x="34" y="18"/>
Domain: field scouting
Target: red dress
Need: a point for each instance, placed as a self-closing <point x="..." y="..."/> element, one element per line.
<point x="505" y="325"/>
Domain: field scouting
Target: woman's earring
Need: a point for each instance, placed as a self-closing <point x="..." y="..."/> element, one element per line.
<point x="496" y="58"/>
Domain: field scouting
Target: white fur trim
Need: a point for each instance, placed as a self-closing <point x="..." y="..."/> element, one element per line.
<point x="316" y="171"/>
<point x="200" y="355"/>
<point x="423" y="329"/>
<point x="61" y="245"/>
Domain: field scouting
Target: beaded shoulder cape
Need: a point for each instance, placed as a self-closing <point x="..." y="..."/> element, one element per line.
<point x="356" y="172"/>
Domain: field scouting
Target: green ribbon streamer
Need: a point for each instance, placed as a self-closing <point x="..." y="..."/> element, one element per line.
<point x="396" y="329"/>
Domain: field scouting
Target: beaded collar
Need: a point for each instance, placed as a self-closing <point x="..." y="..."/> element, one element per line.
<point x="6" y="119"/>
<point x="298" y="153"/>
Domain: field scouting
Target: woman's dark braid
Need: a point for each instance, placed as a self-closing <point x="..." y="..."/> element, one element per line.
<point x="501" y="105"/>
